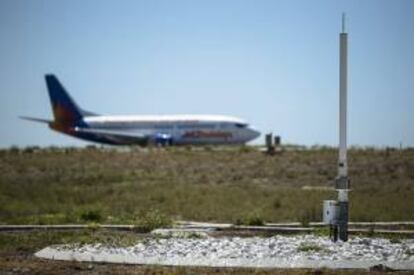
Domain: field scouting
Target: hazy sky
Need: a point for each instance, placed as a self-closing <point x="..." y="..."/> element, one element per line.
<point x="273" y="63"/>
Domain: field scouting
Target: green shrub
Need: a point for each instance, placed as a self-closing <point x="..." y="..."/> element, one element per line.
<point x="322" y="231"/>
<point x="395" y="240"/>
<point x="147" y="221"/>
<point x="91" y="216"/>
<point x="252" y="219"/>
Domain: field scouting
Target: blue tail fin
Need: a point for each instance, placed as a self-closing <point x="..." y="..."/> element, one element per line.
<point x="65" y="109"/>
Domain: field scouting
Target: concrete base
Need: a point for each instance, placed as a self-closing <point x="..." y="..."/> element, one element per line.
<point x="111" y="257"/>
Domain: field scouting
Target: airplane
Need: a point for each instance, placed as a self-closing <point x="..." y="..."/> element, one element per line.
<point x="142" y="130"/>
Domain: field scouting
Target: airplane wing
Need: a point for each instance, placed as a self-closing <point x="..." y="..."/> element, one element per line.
<point x="117" y="136"/>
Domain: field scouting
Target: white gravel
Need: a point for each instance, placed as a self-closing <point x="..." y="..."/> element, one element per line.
<point x="278" y="251"/>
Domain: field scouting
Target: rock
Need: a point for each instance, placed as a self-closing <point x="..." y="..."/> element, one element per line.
<point x="243" y="251"/>
<point x="180" y="233"/>
<point x="365" y="241"/>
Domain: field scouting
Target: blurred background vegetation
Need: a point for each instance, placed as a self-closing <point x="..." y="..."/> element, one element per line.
<point x="224" y="184"/>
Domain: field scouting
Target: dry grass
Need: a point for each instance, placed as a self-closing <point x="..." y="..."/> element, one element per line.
<point x="65" y="185"/>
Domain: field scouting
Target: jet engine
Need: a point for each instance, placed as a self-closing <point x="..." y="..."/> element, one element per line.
<point x="161" y="139"/>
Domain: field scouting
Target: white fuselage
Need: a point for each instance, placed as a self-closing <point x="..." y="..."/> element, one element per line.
<point x="182" y="129"/>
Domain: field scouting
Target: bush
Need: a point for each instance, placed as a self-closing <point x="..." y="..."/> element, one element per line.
<point x="91" y="216"/>
<point x="14" y="149"/>
<point x="395" y="240"/>
<point x="322" y="231"/>
<point x="31" y="149"/>
<point x="252" y="219"/>
<point x="147" y="221"/>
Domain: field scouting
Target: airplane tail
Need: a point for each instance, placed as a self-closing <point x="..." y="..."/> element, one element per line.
<point x="65" y="109"/>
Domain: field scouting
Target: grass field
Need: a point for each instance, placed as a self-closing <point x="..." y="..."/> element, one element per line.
<point x="241" y="185"/>
<point x="151" y="187"/>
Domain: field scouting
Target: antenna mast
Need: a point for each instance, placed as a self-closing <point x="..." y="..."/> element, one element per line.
<point x="336" y="212"/>
<point x="342" y="180"/>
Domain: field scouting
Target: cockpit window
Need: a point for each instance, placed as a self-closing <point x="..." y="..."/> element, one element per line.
<point x="241" y="125"/>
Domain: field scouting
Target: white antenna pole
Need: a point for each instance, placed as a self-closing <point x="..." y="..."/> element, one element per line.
<point x="343" y="77"/>
<point x="342" y="181"/>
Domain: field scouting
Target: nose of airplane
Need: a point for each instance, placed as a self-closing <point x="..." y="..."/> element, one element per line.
<point x="253" y="133"/>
